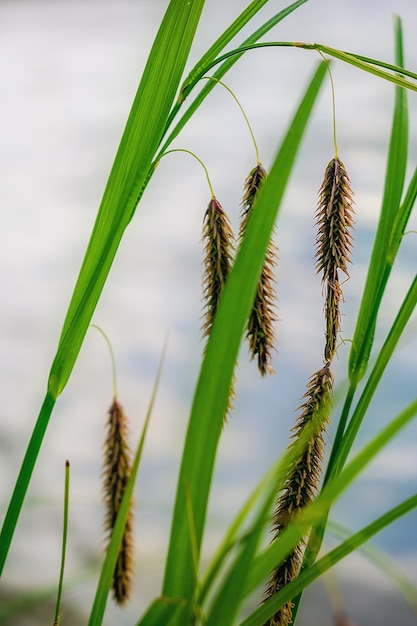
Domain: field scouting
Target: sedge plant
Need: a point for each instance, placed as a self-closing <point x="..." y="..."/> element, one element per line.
<point x="297" y="494"/>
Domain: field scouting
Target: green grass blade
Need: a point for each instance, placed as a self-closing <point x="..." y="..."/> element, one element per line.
<point x="394" y="180"/>
<point x="230" y="32"/>
<point x="142" y="134"/>
<point x="228" y="599"/>
<point x="401" y="221"/>
<point x="213" y="386"/>
<point x="23" y="479"/>
<point x="107" y="570"/>
<point x="229" y="596"/>
<point x="404" y="584"/>
<point x="398" y="229"/>
<point x="343" y="445"/>
<point x="196" y="74"/>
<point x="263" y="498"/>
<point x="139" y="142"/>
<point x="231" y="538"/>
<point x="277" y="551"/>
<point x="395" y="69"/>
<point x="384" y="356"/>
<point x="369" y="65"/>
<point x="407" y="308"/>
<point x="329" y="560"/>
<point x="162" y="611"/>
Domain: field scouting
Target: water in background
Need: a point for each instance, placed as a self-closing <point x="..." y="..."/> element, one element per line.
<point x="69" y="72"/>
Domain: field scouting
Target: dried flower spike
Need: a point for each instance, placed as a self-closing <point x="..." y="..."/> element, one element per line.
<point x="218" y="238"/>
<point x="116" y="472"/>
<point x="218" y="258"/>
<point x="260" y="330"/>
<point x="335" y="222"/>
<point x="301" y="482"/>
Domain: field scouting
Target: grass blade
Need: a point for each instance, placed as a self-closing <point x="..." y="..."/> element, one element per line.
<point x="342" y="447"/>
<point x="201" y="68"/>
<point x="162" y="611"/>
<point x="371" y="66"/>
<point x="376" y="278"/>
<point x="230" y="32"/>
<point x="143" y="132"/>
<point x="213" y="386"/>
<point x="23" y="479"/>
<point x="329" y="560"/>
<point x="275" y="553"/>
<point x="384" y="356"/>
<point x="140" y="139"/>
<point x="229" y="597"/>
<point x="107" y="571"/>
<point x="404" y="584"/>
<point x="231" y="539"/>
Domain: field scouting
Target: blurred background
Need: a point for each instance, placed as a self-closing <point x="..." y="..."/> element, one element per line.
<point x="69" y="72"/>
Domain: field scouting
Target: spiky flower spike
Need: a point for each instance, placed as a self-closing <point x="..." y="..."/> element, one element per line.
<point x="116" y="471"/>
<point x="218" y="239"/>
<point x="334" y="239"/>
<point x="219" y="247"/>
<point x="260" y="330"/>
<point x="301" y="481"/>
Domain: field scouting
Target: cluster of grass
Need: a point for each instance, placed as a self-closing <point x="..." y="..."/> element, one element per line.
<point x="239" y="297"/>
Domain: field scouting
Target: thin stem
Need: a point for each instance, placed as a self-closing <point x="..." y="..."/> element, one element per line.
<point x="340" y="431"/>
<point x="213" y="195"/>
<point x="113" y="361"/>
<point x="242" y="111"/>
<point x="336" y="149"/>
<point x="363" y="63"/>
<point x="57" y="620"/>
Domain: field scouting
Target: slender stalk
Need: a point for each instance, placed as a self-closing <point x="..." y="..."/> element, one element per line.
<point x="22" y="482"/>
<point x="113" y="360"/>
<point x="220" y="82"/>
<point x="213" y="195"/>
<point x="57" y="620"/>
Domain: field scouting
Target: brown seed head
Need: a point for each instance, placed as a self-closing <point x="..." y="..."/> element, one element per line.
<point x="218" y="238"/>
<point x="218" y="258"/>
<point x="260" y="327"/>
<point x="116" y="472"/>
<point x="253" y="183"/>
<point x="335" y="222"/>
<point x="301" y="482"/>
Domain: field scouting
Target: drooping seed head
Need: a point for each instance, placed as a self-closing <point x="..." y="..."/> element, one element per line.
<point x="218" y="258"/>
<point x="218" y="240"/>
<point x="301" y="482"/>
<point x="116" y="472"/>
<point x="260" y="327"/>
<point x="253" y="184"/>
<point x="334" y="218"/>
<point x="335" y="221"/>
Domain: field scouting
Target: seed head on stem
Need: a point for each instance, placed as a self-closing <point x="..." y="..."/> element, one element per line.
<point x="260" y="327"/>
<point x="301" y="482"/>
<point x="116" y="472"/>
<point x="334" y="218"/>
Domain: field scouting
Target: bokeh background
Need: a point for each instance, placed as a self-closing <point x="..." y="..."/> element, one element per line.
<point x="69" y="72"/>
